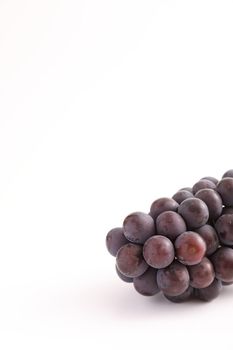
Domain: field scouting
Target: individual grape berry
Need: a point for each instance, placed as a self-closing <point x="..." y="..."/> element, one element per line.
<point x="225" y="189"/>
<point x="227" y="283"/>
<point x="146" y="284"/>
<point x="202" y="274"/>
<point x="194" y="211"/>
<point x="158" y="251"/>
<point x="190" y="248"/>
<point x="224" y="227"/>
<point x="115" y="239"/>
<point x="129" y="260"/>
<point x="138" y="227"/>
<point x="210" y="178"/>
<point x="182" y="297"/>
<point x="209" y="293"/>
<point x="209" y="234"/>
<point x="189" y="189"/>
<point x="174" y="279"/>
<point x="228" y="173"/>
<point x="170" y="224"/>
<point x="201" y="184"/>
<point x="213" y="201"/>
<point x="161" y="205"/>
<point x="123" y="277"/>
<point x="227" y="210"/>
<point x="222" y="260"/>
<point x="181" y="195"/>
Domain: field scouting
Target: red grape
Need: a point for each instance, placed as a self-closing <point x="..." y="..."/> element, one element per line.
<point x="181" y="195"/>
<point x="225" y="189"/>
<point x="170" y="224"/>
<point x="115" y="239"/>
<point x="190" y="248"/>
<point x="182" y="297"/>
<point x="161" y="205"/>
<point x="138" y="227"/>
<point x="194" y="211"/>
<point x="146" y="284"/>
<point x="201" y="184"/>
<point x="202" y="274"/>
<point x="209" y="293"/>
<point x="222" y="260"/>
<point x="224" y="227"/>
<point x="213" y="201"/>
<point x="130" y="260"/>
<point x="158" y="251"/>
<point x="208" y="233"/>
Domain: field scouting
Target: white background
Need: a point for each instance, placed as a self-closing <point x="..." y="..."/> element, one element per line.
<point x="104" y="107"/>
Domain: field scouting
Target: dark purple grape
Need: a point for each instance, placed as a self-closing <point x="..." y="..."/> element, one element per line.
<point x="222" y="260"/>
<point x="224" y="227"/>
<point x="161" y="205"/>
<point x="138" y="227"/>
<point x="210" y="178"/>
<point x="228" y="173"/>
<point x="170" y="224"/>
<point x="146" y="284"/>
<point x="158" y="251"/>
<point x="190" y="248"/>
<point x="130" y="260"/>
<point x="213" y="201"/>
<point x="202" y="274"/>
<point x="174" y="279"/>
<point x="227" y="210"/>
<point x="202" y="184"/>
<point x="227" y="283"/>
<point x="189" y="189"/>
<point x="209" y="293"/>
<point x="123" y="277"/>
<point x="181" y="195"/>
<point x="115" y="239"/>
<point x="225" y="189"/>
<point x="208" y="233"/>
<point x="194" y="211"/>
<point x="182" y="297"/>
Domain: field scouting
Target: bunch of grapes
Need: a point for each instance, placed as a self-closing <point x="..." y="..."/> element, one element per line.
<point x="183" y="247"/>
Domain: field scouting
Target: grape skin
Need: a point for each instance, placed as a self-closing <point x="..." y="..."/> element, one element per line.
<point x="213" y="201"/>
<point x="227" y="210"/>
<point x="209" y="293"/>
<point x="138" y="227"/>
<point x="146" y="284"/>
<point x="203" y="184"/>
<point x="228" y="173"/>
<point x="181" y="195"/>
<point x="182" y="297"/>
<point x="224" y="227"/>
<point x="189" y="189"/>
<point x="190" y="248"/>
<point x="129" y="260"/>
<point x="202" y="274"/>
<point x="115" y="239"/>
<point x="225" y="189"/>
<point x="170" y="224"/>
<point x="158" y="251"/>
<point x="222" y="261"/>
<point x="210" y="178"/>
<point x="194" y="211"/>
<point x="209" y="234"/>
<point x="123" y="277"/>
<point x="174" y="279"/>
<point x="162" y="204"/>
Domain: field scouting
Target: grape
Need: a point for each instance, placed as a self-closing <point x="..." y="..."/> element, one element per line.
<point x="213" y="201"/>
<point x="182" y="297"/>
<point x="201" y="184"/>
<point x="208" y="233"/>
<point x="210" y="178"/>
<point x="123" y="277"/>
<point x="130" y="260"/>
<point x="225" y="189"/>
<point x="222" y="260"/>
<point x="227" y="210"/>
<point x="228" y="173"/>
<point x="202" y="274"/>
<point x="161" y="205"/>
<point x="174" y="279"/>
<point x="181" y="195"/>
<point x="211" y="292"/>
<point x="190" y="248"/>
<point x="115" y="239"/>
<point x="227" y="283"/>
<point x="138" y="227"/>
<point x="224" y="227"/>
<point x="194" y="211"/>
<point x="170" y="224"/>
<point x="146" y="284"/>
<point x="189" y="189"/>
<point x="158" y="251"/>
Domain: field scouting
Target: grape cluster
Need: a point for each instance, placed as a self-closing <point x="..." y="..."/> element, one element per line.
<point x="183" y="247"/>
